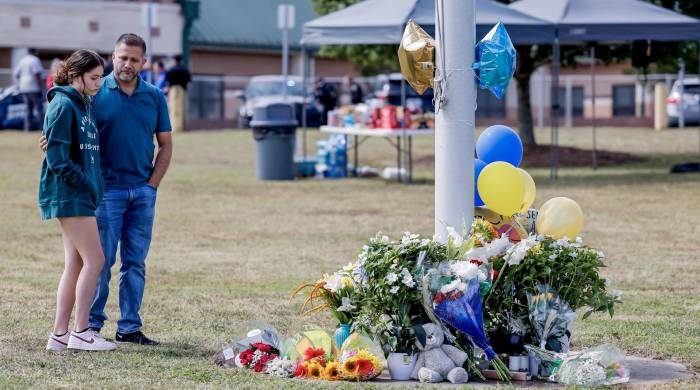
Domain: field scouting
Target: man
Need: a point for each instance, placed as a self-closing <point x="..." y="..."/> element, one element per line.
<point x="129" y="112"/>
<point x="327" y="96"/>
<point x="159" y="75"/>
<point x="27" y="74"/>
<point x="351" y="92"/>
<point x="177" y="79"/>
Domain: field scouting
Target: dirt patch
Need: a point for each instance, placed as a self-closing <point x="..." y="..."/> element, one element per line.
<point x="539" y="156"/>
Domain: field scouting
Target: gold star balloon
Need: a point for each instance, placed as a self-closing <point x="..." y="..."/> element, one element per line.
<point x="417" y="57"/>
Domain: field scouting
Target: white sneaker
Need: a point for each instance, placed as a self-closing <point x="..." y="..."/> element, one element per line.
<point x="89" y="341"/>
<point x="57" y="343"/>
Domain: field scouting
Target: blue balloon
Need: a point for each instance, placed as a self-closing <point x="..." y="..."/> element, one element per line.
<point x="495" y="61"/>
<point x="500" y="143"/>
<point x="478" y="167"/>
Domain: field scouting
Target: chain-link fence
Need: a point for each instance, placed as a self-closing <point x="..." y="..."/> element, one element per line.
<point x="214" y="101"/>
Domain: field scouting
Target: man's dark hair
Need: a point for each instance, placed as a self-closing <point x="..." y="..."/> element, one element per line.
<point x="177" y="58"/>
<point x="134" y="40"/>
<point x="32" y="51"/>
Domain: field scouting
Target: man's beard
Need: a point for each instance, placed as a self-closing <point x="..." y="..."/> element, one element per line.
<point x="123" y="76"/>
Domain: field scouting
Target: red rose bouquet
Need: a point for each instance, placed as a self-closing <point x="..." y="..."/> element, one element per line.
<point x="257" y="356"/>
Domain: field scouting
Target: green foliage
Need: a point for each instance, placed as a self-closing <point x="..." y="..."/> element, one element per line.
<point x="571" y="269"/>
<point x="368" y="59"/>
<point x="669" y="52"/>
<point x="391" y="302"/>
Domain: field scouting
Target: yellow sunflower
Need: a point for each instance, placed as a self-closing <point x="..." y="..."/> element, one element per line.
<point x="332" y="372"/>
<point x="315" y="371"/>
<point x="350" y="368"/>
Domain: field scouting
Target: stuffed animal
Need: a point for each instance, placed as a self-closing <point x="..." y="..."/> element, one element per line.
<point x="437" y="361"/>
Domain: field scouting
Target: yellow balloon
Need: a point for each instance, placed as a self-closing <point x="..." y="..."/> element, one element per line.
<point x="530" y="191"/>
<point x="501" y="187"/>
<point x="560" y="217"/>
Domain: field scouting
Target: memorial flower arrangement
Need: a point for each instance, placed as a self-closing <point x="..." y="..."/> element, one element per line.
<point x="358" y="365"/>
<point x="337" y="293"/>
<point x="542" y="267"/>
<point x="478" y="284"/>
<point x="257" y="357"/>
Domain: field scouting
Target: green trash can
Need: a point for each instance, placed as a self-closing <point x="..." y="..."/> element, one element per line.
<point x="274" y="130"/>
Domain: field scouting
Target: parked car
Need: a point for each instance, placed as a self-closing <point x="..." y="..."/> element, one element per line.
<point x="388" y="88"/>
<point x="268" y="89"/>
<point x="690" y="101"/>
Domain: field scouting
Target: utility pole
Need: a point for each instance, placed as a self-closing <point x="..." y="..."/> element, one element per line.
<point x="454" y="121"/>
<point x="285" y="21"/>
<point x="149" y="12"/>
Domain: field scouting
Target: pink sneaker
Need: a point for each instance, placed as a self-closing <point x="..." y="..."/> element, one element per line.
<point x="89" y="341"/>
<point x="57" y="343"/>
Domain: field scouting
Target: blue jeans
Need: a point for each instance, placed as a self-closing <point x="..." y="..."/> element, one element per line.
<point x="33" y="100"/>
<point x="124" y="217"/>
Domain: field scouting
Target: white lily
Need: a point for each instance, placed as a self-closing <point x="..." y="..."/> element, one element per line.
<point x="346" y="305"/>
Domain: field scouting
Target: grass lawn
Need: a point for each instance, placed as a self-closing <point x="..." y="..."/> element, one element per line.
<point x="228" y="249"/>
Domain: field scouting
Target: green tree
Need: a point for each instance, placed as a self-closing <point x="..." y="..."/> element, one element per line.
<point x="368" y="59"/>
<point x="668" y="53"/>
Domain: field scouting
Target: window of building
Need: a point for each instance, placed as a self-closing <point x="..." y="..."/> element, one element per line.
<point x="205" y="97"/>
<point x="488" y="106"/>
<point x="576" y="101"/>
<point x="623" y="100"/>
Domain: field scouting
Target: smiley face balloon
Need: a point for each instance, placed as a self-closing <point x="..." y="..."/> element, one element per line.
<point x="502" y="223"/>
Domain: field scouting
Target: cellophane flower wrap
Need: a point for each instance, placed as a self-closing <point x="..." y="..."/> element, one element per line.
<point x="597" y="366"/>
<point x="255" y="332"/>
<point x="551" y="318"/>
<point x="461" y="308"/>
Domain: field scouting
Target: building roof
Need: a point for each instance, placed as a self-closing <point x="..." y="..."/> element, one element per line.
<point x="247" y="24"/>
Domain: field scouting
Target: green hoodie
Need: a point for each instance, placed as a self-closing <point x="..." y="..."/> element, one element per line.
<point x="71" y="183"/>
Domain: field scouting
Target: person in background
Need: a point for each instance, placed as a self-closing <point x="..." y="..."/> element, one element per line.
<point x="55" y="64"/>
<point x="27" y="74"/>
<point x="145" y="71"/>
<point x="351" y="92"/>
<point x="327" y="96"/>
<point x="70" y="189"/>
<point x="109" y="66"/>
<point x="177" y="79"/>
<point x="159" y="75"/>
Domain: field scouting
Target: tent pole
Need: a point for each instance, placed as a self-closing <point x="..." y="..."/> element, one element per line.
<point x="403" y="128"/>
<point x="593" y="124"/>
<point x="305" y="94"/>
<point x="554" y="112"/>
<point x="454" y="122"/>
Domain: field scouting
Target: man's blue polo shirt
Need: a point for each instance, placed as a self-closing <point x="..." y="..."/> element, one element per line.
<point x="127" y="125"/>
